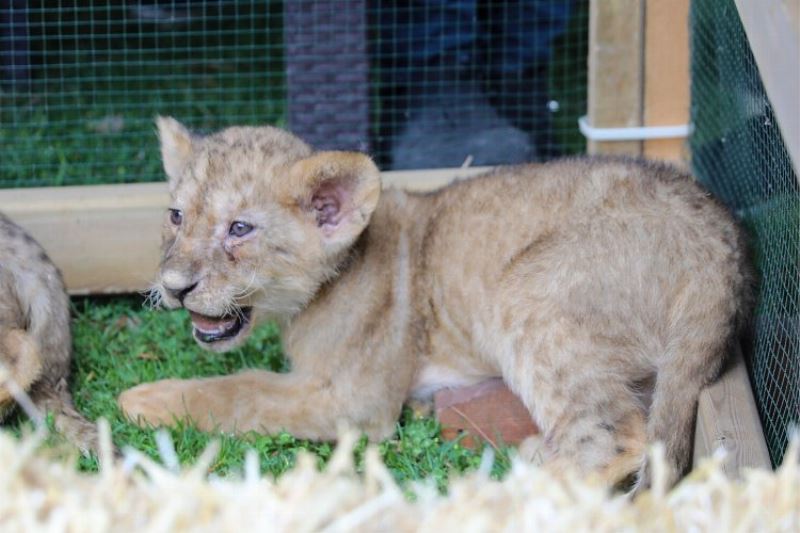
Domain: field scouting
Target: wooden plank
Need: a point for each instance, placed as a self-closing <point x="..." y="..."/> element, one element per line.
<point x="105" y="238"/>
<point x="727" y="417"/>
<point x="615" y="71"/>
<point x="666" y="76"/>
<point x="487" y="411"/>
<point x="773" y="31"/>
<point x="428" y="180"/>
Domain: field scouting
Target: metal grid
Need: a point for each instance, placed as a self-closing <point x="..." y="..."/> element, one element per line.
<point x="738" y="152"/>
<point x="418" y="84"/>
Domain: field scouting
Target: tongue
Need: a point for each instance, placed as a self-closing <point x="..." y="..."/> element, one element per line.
<point x="209" y="324"/>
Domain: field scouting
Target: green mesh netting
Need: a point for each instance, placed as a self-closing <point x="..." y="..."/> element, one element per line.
<point x="81" y="81"/>
<point x="738" y="152"/>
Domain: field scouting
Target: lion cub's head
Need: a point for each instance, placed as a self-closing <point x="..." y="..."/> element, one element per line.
<point x="257" y="222"/>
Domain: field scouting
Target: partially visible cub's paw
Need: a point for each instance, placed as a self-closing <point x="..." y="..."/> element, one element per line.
<point x="534" y="450"/>
<point x="154" y="404"/>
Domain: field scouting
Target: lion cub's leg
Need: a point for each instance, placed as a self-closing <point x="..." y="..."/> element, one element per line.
<point x="306" y="406"/>
<point x="591" y="420"/>
<point x="19" y="357"/>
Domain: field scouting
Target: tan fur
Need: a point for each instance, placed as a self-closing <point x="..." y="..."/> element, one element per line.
<point x="35" y="339"/>
<point x="20" y="359"/>
<point x="603" y="291"/>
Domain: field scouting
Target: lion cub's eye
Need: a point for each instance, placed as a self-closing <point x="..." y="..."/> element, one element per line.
<point x="240" y="229"/>
<point x="175" y="216"/>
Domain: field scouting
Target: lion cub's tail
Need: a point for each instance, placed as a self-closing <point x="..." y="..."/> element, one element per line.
<point x="54" y="397"/>
<point x="671" y="423"/>
<point x="701" y="354"/>
<point x="23" y="364"/>
<point x="48" y="329"/>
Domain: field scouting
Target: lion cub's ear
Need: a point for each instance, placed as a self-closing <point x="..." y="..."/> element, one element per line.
<point x="338" y="191"/>
<point x="176" y="145"/>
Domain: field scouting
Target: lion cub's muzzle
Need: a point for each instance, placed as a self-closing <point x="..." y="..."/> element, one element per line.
<point x="213" y="329"/>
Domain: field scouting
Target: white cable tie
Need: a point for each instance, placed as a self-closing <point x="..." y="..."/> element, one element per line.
<point x="633" y="133"/>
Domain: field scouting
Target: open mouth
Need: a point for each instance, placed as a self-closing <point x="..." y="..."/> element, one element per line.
<point x="217" y="328"/>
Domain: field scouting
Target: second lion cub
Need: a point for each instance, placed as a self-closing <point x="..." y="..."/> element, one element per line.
<point x="35" y="337"/>
<point x="603" y="291"/>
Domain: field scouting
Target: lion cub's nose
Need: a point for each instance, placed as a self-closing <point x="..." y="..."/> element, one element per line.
<point x="180" y="294"/>
<point x="177" y="285"/>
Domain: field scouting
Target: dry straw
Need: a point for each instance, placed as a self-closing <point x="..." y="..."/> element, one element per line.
<point x="38" y="493"/>
<point x="135" y="493"/>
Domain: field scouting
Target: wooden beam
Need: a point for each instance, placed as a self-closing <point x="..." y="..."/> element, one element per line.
<point x="428" y="180"/>
<point x="616" y="30"/>
<point x="773" y="31"/>
<point x="727" y="418"/>
<point x="666" y="76"/>
<point x="105" y="238"/>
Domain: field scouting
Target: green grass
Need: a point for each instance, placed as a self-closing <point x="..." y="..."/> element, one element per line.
<point x="119" y="344"/>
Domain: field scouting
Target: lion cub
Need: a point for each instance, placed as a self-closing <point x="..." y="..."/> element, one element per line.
<point x="603" y="291"/>
<point x="35" y="340"/>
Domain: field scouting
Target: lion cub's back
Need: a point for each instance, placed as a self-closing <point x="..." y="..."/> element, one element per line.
<point x="614" y="217"/>
<point x="576" y="190"/>
<point x="510" y="206"/>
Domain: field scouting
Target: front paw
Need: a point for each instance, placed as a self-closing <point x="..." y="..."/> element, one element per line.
<point x="155" y="404"/>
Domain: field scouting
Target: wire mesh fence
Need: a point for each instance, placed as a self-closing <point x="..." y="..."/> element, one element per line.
<point x="738" y="152"/>
<point x="418" y="84"/>
<point x="82" y="82"/>
<point x="497" y="81"/>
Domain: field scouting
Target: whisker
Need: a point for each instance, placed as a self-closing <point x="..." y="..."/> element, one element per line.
<point x="153" y="296"/>
<point x="249" y="289"/>
<point x="236" y="308"/>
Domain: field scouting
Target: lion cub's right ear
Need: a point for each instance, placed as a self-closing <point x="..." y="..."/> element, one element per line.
<point x="338" y="191"/>
<point x="176" y="146"/>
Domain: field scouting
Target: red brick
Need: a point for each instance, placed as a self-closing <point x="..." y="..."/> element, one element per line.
<point x="486" y="411"/>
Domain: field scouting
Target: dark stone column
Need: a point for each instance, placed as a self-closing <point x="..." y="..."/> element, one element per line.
<point x="327" y="72"/>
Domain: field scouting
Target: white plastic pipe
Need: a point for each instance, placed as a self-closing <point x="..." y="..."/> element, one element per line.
<point x="633" y="134"/>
